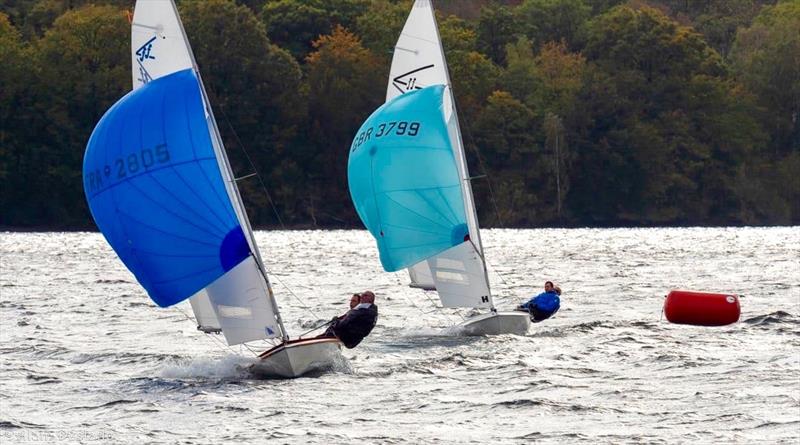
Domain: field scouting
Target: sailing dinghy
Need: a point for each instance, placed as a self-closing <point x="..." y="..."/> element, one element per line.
<point x="409" y="207"/>
<point x="161" y="190"/>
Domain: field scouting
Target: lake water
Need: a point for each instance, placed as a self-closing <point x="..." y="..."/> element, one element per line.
<point x="87" y="358"/>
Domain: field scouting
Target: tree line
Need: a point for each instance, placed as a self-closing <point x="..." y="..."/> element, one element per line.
<point x="579" y="112"/>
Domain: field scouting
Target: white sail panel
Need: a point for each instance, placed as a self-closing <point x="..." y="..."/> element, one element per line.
<point x="459" y="277"/>
<point x="239" y="304"/>
<point x="421" y="276"/>
<point x="418" y="61"/>
<point x="204" y="313"/>
<point x="158" y="46"/>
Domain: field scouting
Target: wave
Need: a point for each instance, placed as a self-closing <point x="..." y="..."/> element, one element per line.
<point x="773" y="318"/>
<point x="122" y="358"/>
<point x="105" y="405"/>
<point x="5" y="424"/>
<point x="229" y="367"/>
<point x="42" y="379"/>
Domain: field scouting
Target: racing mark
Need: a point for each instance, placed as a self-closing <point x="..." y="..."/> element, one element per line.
<point x="408" y="81"/>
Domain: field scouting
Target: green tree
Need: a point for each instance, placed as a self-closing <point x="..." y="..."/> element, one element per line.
<point x="766" y="57"/>
<point x="254" y="87"/>
<point x="519" y="77"/>
<point x="503" y="133"/>
<point x="35" y="16"/>
<point x="671" y="145"/>
<point x="380" y="24"/>
<point x="554" y="20"/>
<point x="346" y="84"/>
<point x="474" y="77"/>
<point x="558" y="76"/>
<point x="472" y="73"/>
<point x="611" y="42"/>
<point x="296" y="24"/>
<point x="497" y="27"/>
<point x="547" y="82"/>
<point x="15" y="149"/>
<point x="457" y="34"/>
<point x="720" y="20"/>
<point x="83" y="68"/>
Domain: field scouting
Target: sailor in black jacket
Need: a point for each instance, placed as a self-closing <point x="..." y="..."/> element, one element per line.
<point x="357" y="323"/>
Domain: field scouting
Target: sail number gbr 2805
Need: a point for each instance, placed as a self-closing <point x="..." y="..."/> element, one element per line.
<point x="127" y="165"/>
<point x="395" y="128"/>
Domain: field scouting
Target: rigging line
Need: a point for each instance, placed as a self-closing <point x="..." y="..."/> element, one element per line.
<point x="253" y="167"/>
<point x="250" y="349"/>
<point x="408" y="299"/>
<point x="503" y="279"/>
<point x="221" y="345"/>
<point x="302" y="303"/>
<point x="315" y="328"/>
<point x="496" y="272"/>
<point x="436" y="307"/>
<point x="482" y="164"/>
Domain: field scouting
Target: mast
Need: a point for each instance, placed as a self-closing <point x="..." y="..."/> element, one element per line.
<point x="466" y="180"/>
<point x="230" y="179"/>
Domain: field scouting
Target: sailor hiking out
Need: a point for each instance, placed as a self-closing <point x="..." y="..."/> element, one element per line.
<point x="357" y="323"/>
<point x="544" y="305"/>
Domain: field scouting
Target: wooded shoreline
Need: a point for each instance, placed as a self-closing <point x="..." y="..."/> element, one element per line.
<point x="650" y="113"/>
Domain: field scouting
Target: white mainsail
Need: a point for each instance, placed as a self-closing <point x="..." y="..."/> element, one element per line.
<point x="240" y="303"/>
<point x="458" y="274"/>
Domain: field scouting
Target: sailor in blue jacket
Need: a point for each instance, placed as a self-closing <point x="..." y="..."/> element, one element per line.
<point x="544" y="305"/>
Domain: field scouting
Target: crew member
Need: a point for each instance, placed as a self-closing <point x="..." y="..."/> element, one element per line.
<point x="357" y="323"/>
<point x="544" y="305"/>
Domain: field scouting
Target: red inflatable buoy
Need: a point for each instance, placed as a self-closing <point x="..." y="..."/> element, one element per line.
<point x="701" y="308"/>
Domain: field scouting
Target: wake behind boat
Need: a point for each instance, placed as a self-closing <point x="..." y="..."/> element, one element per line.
<point x="161" y="190"/>
<point x="411" y="186"/>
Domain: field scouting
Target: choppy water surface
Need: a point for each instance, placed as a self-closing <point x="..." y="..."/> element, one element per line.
<point x="86" y="357"/>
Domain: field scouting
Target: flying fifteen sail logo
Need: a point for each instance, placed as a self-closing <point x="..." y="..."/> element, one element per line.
<point x="408" y="81"/>
<point x="142" y="54"/>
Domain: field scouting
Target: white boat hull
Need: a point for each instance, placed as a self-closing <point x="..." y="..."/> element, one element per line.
<point x="496" y="323"/>
<point x="298" y="357"/>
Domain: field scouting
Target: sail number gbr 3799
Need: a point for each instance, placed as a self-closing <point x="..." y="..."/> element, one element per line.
<point x="395" y="128"/>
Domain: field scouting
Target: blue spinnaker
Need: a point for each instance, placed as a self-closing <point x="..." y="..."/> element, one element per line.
<point x="404" y="181"/>
<point x="155" y="190"/>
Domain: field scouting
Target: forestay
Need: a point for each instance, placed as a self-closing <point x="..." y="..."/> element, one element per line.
<point x="419" y="62"/>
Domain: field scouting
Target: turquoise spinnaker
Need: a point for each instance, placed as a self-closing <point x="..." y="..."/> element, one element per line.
<point x="154" y="186"/>
<point x="404" y="180"/>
